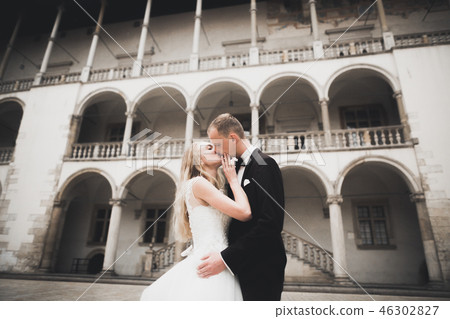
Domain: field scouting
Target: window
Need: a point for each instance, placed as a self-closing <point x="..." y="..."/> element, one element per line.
<point x="362" y="116"/>
<point x="157" y="232"/>
<point x="372" y="225"/>
<point x="100" y="225"/>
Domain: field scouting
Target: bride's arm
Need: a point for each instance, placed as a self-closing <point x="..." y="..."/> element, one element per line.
<point x="238" y="208"/>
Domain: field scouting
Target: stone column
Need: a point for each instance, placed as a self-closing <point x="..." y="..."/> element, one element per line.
<point x="193" y="66"/>
<point x="388" y="37"/>
<point x="189" y="129"/>
<point x="113" y="235"/>
<point x="137" y="66"/>
<point x="326" y="121"/>
<point x="73" y="133"/>
<point x="254" y="51"/>
<point x="337" y="239"/>
<point x="48" y="51"/>
<point x="9" y="47"/>
<point x="127" y="134"/>
<point x="429" y="245"/>
<point x="317" y="44"/>
<point x="403" y="116"/>
<point x="255" y="123"/>
<point x="50" y="240"/>
<point x="90" y="60"/>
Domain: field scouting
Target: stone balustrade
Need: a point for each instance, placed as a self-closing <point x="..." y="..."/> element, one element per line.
<point x="308" y="252"/>
<point x="266" y="57"/>
<point x="349" y="48"/>
<point x="6" y="154"/>
<point x="92" y="151"/>
<point x="374" y="137"/>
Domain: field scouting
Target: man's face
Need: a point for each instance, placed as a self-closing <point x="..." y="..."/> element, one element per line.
<point x="221" y="143"/>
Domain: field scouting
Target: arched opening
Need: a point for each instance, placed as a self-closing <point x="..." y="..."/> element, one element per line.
<point x="103" y="119"/>
<point x="224" y="97"/>
<point x="147" y="212"/>
<point x="362" y="98"/>
<point x="84" y="223"/>
<point x="307" y="223"/>
<point x="292" y="106"/>
<point x="10" y="118"/>
<point x="383" y="239"/>
<point x="162" y="110"/>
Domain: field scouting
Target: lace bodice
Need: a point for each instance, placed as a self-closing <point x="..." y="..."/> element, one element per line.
<point x="208" y="225"/>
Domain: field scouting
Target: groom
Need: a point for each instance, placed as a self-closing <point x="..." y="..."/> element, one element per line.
<point x="256" y="252"/>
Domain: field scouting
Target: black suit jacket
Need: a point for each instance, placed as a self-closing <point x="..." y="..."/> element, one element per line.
<point x="256" y="252"/>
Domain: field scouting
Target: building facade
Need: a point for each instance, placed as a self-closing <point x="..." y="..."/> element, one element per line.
<point x="351" y="100"/>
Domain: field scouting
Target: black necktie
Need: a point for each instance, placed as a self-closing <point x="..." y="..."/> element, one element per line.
<point x="239" y="163"/>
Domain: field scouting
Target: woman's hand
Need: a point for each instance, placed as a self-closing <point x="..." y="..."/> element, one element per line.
<point x="229" y="169"/>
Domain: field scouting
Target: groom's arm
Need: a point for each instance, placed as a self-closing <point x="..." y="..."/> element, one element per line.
<point x="270" y="218"/>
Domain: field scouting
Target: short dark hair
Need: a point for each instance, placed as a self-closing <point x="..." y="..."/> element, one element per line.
<point x="226" y="123"/>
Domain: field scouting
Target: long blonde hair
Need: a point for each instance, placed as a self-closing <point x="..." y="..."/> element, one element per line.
<point x="190" y="167"/>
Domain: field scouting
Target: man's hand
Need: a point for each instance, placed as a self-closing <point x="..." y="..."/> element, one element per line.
<point x="212" y="265"/>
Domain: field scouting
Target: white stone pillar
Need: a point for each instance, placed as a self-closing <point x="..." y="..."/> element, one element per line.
<point x="326" y="121"/>
<point x="113" y="235"/>
<point x="48" y="51"/>
<point x="337" y="239"/>
<point x="9" y="47"/>
<point x="429" y="245"/>
<point x="255" y="124"/>
<point x="90" y="60"/>
<point x="388" y="37"/>
<point x="50" y="239"/>
<point x="127" y="133"/>
<point x="193" y="66"/>
<point x="382" y="16"/>
<point x="189" y="129"/>
<point x="137" y="66"/>
<point x="254" y="51"/>
<point x="402" y="113"/>
<point x="317" y="44"/>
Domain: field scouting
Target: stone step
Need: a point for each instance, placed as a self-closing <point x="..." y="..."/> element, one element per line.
<point x="299" y="271"/>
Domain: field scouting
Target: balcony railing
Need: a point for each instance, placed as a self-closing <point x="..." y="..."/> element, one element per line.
<point x="375" y="137"/>
<point x="353" y="48"/>
<point x="93" y="151"/>
<point x="6" y="154"/>
<point x="342" y="49"/>
<point x="286" y="56"/>
<point x="60" y="79"/>
<point x="429" y="38"/>
<point x="139" y="150"/>
<point x="18" y="85"/>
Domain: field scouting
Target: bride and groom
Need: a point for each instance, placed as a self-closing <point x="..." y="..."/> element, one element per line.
<point x="237" y="251"/>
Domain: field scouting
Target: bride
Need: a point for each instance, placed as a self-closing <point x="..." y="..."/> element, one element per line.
<point x="202" y="213"/>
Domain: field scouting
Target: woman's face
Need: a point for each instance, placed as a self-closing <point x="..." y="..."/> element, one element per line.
<point x="209" y="156"/>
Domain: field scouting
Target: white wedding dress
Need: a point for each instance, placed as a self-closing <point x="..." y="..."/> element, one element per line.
<point x="209" y="228"/>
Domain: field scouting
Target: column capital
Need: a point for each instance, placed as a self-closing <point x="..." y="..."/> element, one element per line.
<point x="117" y="202"/>
<point x="323" y="101"/>
<point x="254" y="106"/>
<point x="334" y="199"/>
<point x="397" y="94"/>
<point x="130" y="114"/>
<point x="417" y="197"/>
<point x="310" y="2"/>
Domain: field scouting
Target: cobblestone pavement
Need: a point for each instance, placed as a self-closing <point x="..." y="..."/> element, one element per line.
<point x="39" y="290"/>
